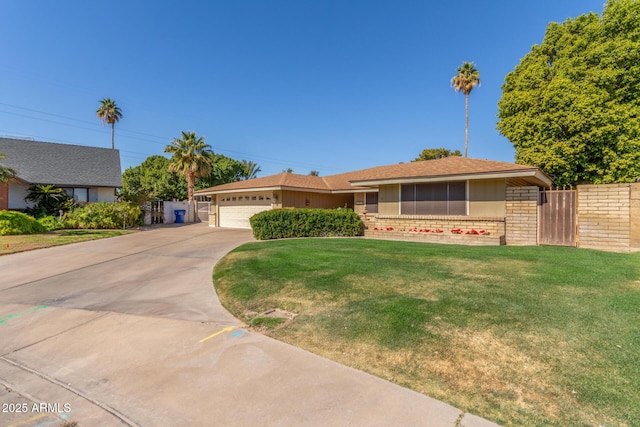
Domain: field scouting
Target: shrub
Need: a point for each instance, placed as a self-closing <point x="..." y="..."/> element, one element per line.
<point x="285" y="223"/>
<point x="49" y="200"/>
<point x="18" y="223"/>
<point x="104" y="215"/>
<point x="52" y="223"/>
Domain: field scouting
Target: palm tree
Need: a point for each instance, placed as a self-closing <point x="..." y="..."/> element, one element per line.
<point x="251" y="170"/>
<point x="6" y="173"/>
<point x="192" y="157"/>
<point x="467" y="78"/>
<point x="314" y="173"/>
<point x="109" y="113"/>
<point x="48" y="200"/>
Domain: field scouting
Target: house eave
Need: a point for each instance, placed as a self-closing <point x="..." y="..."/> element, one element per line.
<point x="255" y="189"/>
<point x="206" y="192"/>
<point x="534" y="175"/>
<point x="356" y="190"/>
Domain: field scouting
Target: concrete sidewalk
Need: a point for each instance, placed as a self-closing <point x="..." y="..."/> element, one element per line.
<point x="128" y="331"/>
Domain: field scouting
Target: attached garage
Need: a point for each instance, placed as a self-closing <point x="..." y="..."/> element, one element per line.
<point x="233" y="204"/>
<point x="236" y="209"/>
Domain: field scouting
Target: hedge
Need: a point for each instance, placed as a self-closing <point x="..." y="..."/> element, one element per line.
<point x="12" y="222"/>
<point x="287" y="223"/>
<point x="104" y="215"/>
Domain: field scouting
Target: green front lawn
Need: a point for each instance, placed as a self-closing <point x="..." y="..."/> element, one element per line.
<point x="27" y="242"/>
<point x="519" y="335"/>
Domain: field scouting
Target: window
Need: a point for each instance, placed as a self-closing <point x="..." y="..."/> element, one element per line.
<point x="371" y="202"/>
<point x="442" y="198"/>
<point x="80" y="195"/>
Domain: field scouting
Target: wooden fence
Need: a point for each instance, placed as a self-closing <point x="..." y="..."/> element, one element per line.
<point x="557" y="217"/>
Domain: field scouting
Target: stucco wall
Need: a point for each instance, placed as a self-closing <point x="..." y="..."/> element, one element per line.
<point x="102" y="194"/>
<point x="487" y="197"/>
<point x="389" y="199"/>
<point x="17" y="193"/>
<point x="359" y="201"/>
<point x="302" y="199"/>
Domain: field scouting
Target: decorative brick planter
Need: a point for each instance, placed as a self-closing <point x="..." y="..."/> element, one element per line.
<point x="484" y="231"/>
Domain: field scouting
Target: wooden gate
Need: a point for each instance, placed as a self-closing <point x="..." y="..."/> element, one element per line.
<point x="157" y="212"/>
<point x="557" y="217"/>
<point x="203" y="211"/>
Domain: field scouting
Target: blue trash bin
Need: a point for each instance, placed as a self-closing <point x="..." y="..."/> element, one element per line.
<point x="179" y="213"/>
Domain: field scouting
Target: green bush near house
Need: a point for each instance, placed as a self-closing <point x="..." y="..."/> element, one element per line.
<point x="288" y="223"/>
<point x="12" y="223"/>
<point x="48" y="200"/>
<point x="104" y="215"/>
<point x="52" y="223"/>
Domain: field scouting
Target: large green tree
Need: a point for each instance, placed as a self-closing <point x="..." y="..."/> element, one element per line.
<point x="223" y="170"/>
<point x="109" y="113"/>
<point x="192" y="157"/>
<point x="6" y="173"/>
<point x="151" y="180"/>
<point x="572" y="105"/>
<point x="464" y="81"/>
<point x="436" y="153"/>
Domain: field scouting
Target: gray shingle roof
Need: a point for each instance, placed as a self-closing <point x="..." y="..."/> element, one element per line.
<point x="62" y="164"/>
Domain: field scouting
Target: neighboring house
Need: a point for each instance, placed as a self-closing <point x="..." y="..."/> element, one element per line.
<point x="452" y="192"/>
<point x="87" y="174"/>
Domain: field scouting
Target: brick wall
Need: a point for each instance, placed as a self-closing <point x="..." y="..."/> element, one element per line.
<point x="606" y="218"/>
<point x="522" y="216"/>
<point x="436" y="229"/>
<point x="4" y="196"/>
<point x="634" y="214"/>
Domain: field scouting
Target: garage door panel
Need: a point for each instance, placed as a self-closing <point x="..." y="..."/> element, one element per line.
<point x="237" y="216"/>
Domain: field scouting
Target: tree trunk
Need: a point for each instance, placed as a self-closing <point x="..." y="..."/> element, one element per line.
<point x="191" y="183"/>
<point x="466" y="126"/>
<point x="113" y="128"/>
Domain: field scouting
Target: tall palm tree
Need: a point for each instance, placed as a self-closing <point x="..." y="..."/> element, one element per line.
<point x="251" y="170"/>
<point x="109" y="113"/>
<point x="192" y="157"/>
<point x="6" y="173"/>
<point x="467" y="78"/>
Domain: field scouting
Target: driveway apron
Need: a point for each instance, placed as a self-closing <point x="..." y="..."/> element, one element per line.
<point x="129" y="331"/>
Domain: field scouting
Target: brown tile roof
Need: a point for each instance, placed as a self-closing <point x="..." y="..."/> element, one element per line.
<point x="446" y="167"/>
<point x="284" y="179"/>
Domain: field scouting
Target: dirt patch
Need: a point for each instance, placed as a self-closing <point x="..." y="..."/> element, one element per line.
<point x="270" y="320"/>
<point x="276" y="312"/>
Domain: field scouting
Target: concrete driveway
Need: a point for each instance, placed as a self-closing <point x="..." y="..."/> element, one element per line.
<point x="128" y="331"/>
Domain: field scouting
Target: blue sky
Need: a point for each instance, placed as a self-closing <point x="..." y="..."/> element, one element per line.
<point x="327" y="85"/>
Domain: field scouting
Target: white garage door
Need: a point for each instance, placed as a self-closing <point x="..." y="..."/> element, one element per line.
<point x="235" y="211"/>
